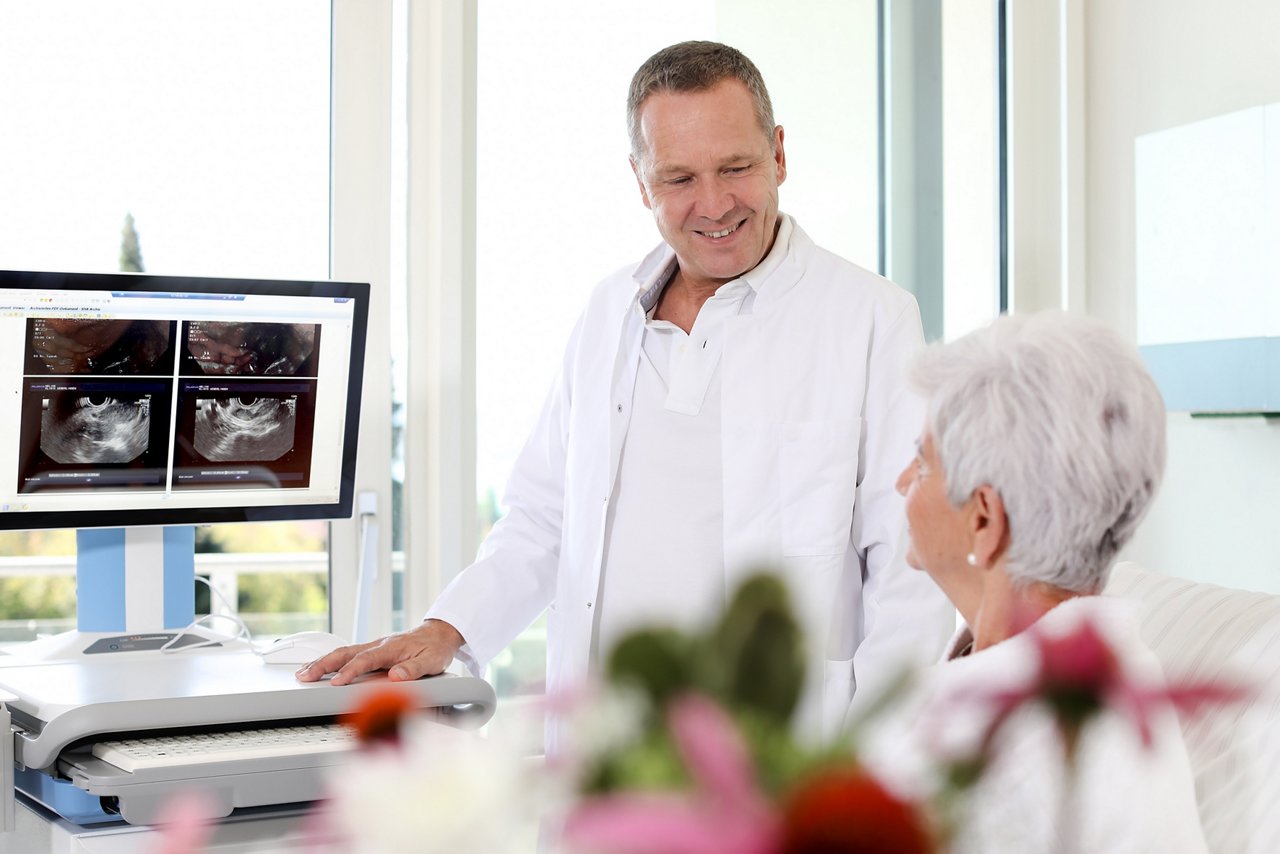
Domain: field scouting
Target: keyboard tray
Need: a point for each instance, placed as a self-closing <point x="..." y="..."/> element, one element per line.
<point x="63" y="705"/>
<point x="141" y="797"/>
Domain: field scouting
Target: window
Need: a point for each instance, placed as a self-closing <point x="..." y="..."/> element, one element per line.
<point x="938" y="142"/>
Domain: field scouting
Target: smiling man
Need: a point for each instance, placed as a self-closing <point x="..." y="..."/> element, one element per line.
<point x="709" y="171"/>
<point x="735" y="401"/>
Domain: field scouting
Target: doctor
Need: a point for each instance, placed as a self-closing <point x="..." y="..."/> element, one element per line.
<point x="734" y="401"/>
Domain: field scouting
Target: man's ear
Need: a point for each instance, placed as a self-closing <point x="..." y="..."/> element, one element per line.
<point x="644" y="193"/>
<point x="779" y="156"/>
<point x="990" y="526"/>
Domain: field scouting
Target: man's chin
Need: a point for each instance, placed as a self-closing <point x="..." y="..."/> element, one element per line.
<point x="726" y="270"/>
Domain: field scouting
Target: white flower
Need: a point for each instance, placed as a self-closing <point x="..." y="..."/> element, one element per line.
<point x="602" y="721"/>
<point x="441" y="789"/>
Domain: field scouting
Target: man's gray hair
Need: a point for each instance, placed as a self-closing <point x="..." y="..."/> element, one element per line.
<point x="694" y="66"/>
<point x="1058" y="414"/>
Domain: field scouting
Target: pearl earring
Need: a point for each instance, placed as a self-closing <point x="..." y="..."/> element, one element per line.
<point x="972" y="559"/>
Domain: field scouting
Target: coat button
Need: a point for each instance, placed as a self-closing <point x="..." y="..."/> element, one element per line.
<point x="619" y="407"/>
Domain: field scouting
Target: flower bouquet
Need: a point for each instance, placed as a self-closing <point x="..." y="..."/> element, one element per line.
<point x="714" y="764"/>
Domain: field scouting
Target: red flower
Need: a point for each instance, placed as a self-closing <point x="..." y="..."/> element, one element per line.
<point x="378" y="716"/>
<point x="846" y="811"/>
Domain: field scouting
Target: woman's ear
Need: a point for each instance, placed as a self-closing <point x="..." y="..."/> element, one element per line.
<point x="990" y="526"/>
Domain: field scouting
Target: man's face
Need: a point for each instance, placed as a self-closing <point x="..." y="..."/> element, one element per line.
<point x="710" y="175"/>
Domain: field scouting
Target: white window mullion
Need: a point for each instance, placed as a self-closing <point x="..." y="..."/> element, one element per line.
<point x="360" y="210"/>
<point x="440" y="452"/>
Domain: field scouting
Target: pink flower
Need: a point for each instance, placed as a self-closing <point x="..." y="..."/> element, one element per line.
<point x="726" y="812"/>
<point x="1079" y="676"/>
<point x="186" y="825"/>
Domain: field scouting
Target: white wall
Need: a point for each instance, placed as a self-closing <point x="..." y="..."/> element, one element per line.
<point x="1152" y="65"/>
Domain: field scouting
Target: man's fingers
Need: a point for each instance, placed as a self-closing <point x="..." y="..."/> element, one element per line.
<point x="423" y="651"/>
<point x="330" y="663"/>
<point x="403" y="660"/>
<point x="379" y="657"/>
<point x="404" y="657"/>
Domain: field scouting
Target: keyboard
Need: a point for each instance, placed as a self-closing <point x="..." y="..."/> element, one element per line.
<point x="137" y="754"/>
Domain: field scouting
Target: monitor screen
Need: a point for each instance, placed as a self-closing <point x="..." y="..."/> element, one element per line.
<point x="137" y="399"/>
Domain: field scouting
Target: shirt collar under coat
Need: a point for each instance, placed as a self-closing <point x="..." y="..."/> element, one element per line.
<point x="778" y="269"/>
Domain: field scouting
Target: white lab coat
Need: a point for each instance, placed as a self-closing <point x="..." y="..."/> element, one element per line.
<point x="817" y="422"/>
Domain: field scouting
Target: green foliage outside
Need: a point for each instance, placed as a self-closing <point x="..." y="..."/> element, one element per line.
<point x="32" y="597"/>
<point x="263" y="538"/>
<point x="271" y="593"/>
<point x="56" y="543"/>
<point x="37" y="597"/>
<point x="130" y="248"/>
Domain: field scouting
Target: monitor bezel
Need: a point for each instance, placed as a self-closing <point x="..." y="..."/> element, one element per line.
<point x="358" y="292"/>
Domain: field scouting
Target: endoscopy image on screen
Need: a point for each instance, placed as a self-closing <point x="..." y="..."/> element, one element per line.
<point x="93" y="434"/>
<point x="244" y="433"/>
<point x="101" y="347"/>
<point x="220" y="348"/>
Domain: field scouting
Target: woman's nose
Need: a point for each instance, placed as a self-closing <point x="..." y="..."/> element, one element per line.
<point x="904" y="479"/>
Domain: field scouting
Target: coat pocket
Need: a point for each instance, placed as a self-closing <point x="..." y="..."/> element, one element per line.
<point x="818" y="475"/>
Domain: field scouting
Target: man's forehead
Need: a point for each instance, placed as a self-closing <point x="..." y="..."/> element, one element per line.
<point x="687" y="105"/>
<point x="675" y="144"/>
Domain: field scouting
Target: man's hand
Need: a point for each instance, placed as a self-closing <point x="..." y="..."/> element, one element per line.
<point x="422" y="651"/>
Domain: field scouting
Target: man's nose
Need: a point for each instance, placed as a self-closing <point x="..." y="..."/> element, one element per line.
<point x="904" y="480"/>
<point x="715" y="200"/>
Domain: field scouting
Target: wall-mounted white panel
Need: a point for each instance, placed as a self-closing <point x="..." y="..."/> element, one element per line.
<point x="1271" y="224"/>
<point x="1207" y="220"/>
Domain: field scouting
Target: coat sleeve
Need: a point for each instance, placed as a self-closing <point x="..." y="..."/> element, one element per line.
<point x="906" y="619"/>
<point x="513" y="578"/>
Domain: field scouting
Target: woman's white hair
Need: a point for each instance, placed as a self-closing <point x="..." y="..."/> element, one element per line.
<point x="1058" y="414"/>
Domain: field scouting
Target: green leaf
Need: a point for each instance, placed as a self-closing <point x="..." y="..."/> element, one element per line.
<point x="661" y="663"/>
<point x="759" y="646"/>
<point x="651" y="763"/>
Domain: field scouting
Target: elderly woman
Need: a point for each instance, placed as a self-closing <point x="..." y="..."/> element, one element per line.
<point x="1042" y="447"/>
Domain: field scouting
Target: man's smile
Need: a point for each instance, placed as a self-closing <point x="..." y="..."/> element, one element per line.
<point x="725" y="232"/>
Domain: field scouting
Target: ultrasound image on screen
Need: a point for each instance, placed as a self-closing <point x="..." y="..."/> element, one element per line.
<point x="216" y="348"/>
<point x="244" y="432"/>
<point x="104" y="347"/>
<point x="95" y="428"/>
<point x="93" y="433"/>
<point x="245" y="428"/>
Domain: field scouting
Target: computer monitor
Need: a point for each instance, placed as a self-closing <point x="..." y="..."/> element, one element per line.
<point x="138" y="401"/>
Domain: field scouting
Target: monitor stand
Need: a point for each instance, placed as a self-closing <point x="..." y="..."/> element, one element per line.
<point x="134" y="594"/>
